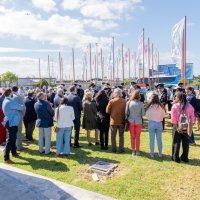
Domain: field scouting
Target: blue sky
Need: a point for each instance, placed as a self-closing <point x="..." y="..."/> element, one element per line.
<point x="37" y="28"/>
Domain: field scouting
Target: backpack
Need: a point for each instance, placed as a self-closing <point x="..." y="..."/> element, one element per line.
<point x="183" y="121"/>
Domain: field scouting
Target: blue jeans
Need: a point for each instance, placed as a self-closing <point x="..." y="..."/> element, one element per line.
<point x="155" y="128"/>
<point x="192" y="140"/>
<point x="63" y="140"/>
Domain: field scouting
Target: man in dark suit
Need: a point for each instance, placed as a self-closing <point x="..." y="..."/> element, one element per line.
<point x="76" y="103"/>
<point x="50" y="96"/>
<point x="30" y="115"/>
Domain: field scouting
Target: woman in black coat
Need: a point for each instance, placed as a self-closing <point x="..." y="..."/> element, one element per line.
<point x="103" y="119"/>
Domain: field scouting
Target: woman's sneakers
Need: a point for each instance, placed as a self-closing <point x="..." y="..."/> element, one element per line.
<point x="135" y="153"/>
<point x="151" y="155"/>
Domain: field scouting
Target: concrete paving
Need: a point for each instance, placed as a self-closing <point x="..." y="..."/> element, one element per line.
<point x="17" y="184"/>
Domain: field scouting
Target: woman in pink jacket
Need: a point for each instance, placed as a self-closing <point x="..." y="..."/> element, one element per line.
<point x="180" y="108"/>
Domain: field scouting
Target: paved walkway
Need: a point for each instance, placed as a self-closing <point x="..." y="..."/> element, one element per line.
<point x="17" y="184"/>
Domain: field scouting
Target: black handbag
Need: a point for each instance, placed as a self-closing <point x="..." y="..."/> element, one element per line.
<point x="126" y="125"/>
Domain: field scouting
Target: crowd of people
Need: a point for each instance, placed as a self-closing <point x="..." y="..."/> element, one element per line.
<point x="103" y="109"/>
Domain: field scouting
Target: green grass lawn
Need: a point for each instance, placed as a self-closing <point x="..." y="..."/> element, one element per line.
<point x="135" y="178"/>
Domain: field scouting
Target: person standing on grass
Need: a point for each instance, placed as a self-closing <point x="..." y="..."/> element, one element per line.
<point x="116" y="109"/>
<point x="30" y="115"/>
<point x="64" y="116"/>
<point x="19" y="99"/>
<point x="76" y="103"/>
<point x="181" y="106"/>
<point x="44" y="122"/>
<point x="103" y="119"/>
<point x="2" y="128"/>
<point x="135" y="112"/>
<point x="89" y="116"/>
<point x="12" y="112"/>
<point x="155" y="113"/>
<point x="191" y="98"/>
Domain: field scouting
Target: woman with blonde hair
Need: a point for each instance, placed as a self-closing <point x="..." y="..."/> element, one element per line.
<point x="135" y="112"/>
<point x="89" y="116"/>
<point x="155" y="113"/>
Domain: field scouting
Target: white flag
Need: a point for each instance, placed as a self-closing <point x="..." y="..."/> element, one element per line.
<point x="177" y="41"/>
<point x="140" y="47"/>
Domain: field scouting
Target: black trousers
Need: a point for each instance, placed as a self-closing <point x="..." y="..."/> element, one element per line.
<point x="104" y="129"/>
<point x="29" y="128"/>
<point x="177" y="139"/>
<point x="77" y="124"/>
<point x="11" y="142"/>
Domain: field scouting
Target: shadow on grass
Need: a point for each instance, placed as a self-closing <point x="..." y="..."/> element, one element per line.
<point x="79" y="155"/>
<point x="50" y="165"/>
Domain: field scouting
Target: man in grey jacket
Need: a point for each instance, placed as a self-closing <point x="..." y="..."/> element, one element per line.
<point x="19" y="99"/>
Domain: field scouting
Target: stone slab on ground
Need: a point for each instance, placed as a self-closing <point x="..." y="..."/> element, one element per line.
<point x="17" y="184"/>
<point x="103" y="168"/>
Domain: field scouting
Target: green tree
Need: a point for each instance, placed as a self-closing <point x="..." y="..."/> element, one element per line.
<point x="42" y="83"/>
<point x="196" y="81"/>
<point x="8" y="78"/>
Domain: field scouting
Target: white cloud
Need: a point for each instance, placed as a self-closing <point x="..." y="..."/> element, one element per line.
<point x="102" y="9"/>
<point x="21" y="66"/>
<point x="100" y="25"/>
<point x="71" y="4"/>
<point x="60" y="30"/>
<point x="45" y="5"/>
<point x="16" y="50"/>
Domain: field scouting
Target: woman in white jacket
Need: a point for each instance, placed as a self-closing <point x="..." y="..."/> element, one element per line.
<point x="155" y="113"/>
<point x="64" y="116"/>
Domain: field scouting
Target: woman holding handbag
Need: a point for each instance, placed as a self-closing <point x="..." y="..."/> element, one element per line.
<point x="135" y="112"/>
<point x="64" y="116"/>
<point x="180" y="110"/>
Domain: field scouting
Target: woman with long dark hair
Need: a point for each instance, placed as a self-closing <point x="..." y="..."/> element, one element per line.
<point x="103" y="119"/>
<point x="64" y="116"/>
<point x="179" y="109"/>
<point x="155" y="113"/>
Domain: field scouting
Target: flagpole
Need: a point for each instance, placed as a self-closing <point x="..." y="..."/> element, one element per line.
<point x="61" y="69"/>
<point x="158" y="67"/>
<point x="129" y="65"/>
<point x="59" y="58"/>
<point x="149" y="59"/>
<point x="102" y="65"/>
<point x="113" y="59"/>
<point x="185" y="54"/>
<point x="95" y="67"/>
<point x="39" y="70"/>
<point x="117" y="67"/>
<point x="135" y="64"/>
<point x="49" y="69"/>
<point x="152" y="63"/>
<point x="143" y="58"/>
<point x="122" y="62"/>
<point x="90" y="63"/>
<point x="97" y="61"/>
<point x="73" y="65"/>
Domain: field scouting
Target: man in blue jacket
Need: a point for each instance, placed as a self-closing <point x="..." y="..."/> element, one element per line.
<point x="11" y="110"/>
<point x="44" y="122"/>
<point x="76" y="103"/>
